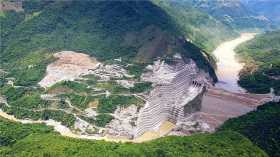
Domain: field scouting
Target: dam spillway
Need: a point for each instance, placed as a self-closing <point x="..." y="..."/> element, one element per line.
<point x="172" y="101"/>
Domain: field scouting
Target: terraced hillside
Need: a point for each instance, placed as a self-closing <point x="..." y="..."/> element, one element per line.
<point x="78" y="91"/>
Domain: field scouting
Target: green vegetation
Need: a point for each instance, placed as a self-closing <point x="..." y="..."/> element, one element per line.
<point x="256" y="82"/>
<point x="235" y="14"/>
<point x="194" y="52"/>
<point x="72" y="86"/>
<point x="102" y="119"/>
<point x="22" y="113"/>
<point x="22" y="97"/>
<point x="30" y="69"/>
<point x="263" y="54"/>
<point x="27" y="103"/>
<point x="9" y="20"/>
<point x="11" y="132"/>
<point x="268" y="9"/>
<point x="60" y="116"/>
<point x="262" y="127"/>
<point x="136" y="31"/>
<point x="110" y="104"/>
<point x="112" y="87"/>
<point x="136" y="69"/>
<point x="204" y="30"/>
<point x="80" y="101"/>
<point x="141" y="87"/>
<point x="12" y="93"/>
<point x="54" y="29"/>
<point x="80" y="96"/>
<point x="263" y="49"/>
<point x="90" y="79"/>
<point x="36" y="140"/>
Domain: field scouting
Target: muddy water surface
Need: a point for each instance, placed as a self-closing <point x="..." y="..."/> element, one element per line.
<point x="228" y="66"/>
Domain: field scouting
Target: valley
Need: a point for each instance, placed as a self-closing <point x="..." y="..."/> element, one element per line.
<point x="80" y="73"/>
<point x="227" y="99"/>
<point x="84" y="89"/>
<point x="228" y="65"/>
<point x="157" y="78"/>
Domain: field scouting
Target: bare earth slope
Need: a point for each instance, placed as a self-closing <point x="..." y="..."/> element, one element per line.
<point x="69" y="66"/>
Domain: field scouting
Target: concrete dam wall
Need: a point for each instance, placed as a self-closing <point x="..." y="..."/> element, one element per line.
<point x="172" y="101"/>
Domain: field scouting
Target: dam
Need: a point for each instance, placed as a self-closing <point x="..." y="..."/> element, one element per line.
<point x="174" y="100"/>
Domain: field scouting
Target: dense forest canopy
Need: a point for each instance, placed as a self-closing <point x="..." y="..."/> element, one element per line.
<point x="40" y="141"/>
<point x="262" y="58"/>
<point x="262" y="127"/>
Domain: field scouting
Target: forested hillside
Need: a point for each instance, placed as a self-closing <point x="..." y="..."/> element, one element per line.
<point x="18" y="140"/>
<point x="138" y="31"/>
<point x="262" y="58"/>
<point x="120" y="39"/>
<point x="233" y="13"/>
<point x="262" y="127"/>
<point x="199" y="27"/>
<point x="267" y="8"/>
<point x="88" y="26"/>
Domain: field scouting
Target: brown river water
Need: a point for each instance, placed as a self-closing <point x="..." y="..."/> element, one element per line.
<point x="228" y="66"/>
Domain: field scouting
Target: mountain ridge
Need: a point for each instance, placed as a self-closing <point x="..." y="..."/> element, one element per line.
<point x="135" y="30"/>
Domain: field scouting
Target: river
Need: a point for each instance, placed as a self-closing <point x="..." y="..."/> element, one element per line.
<point x="227" y="71"/>
<point x="228" y="66"/>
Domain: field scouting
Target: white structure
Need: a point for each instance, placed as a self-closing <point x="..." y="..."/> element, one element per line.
<point x="177" y="96"/>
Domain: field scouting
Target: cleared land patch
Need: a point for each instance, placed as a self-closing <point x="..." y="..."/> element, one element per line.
<point x="68" y="66"/>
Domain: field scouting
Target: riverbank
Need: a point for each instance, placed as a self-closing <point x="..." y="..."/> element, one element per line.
<point x="227" y="99"/>
<point x="228" y="66"/>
